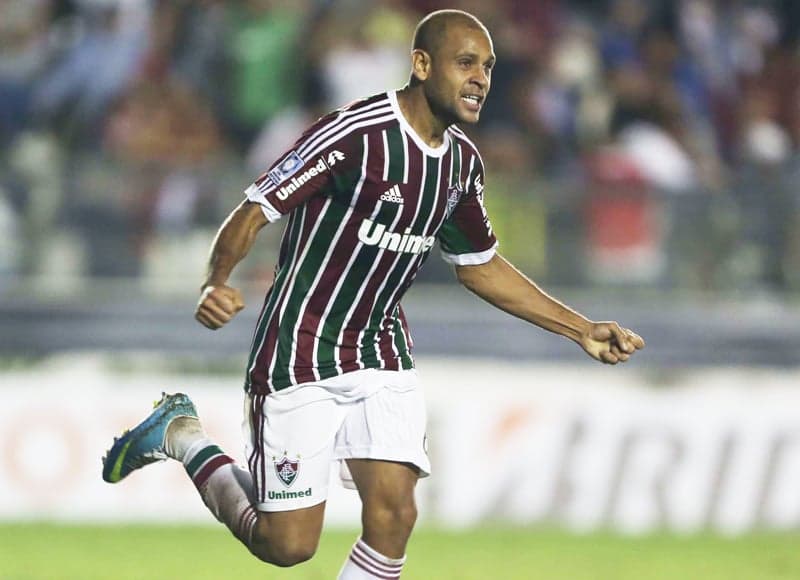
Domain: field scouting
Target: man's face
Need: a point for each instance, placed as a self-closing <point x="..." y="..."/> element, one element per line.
<point x="460" y="74"/>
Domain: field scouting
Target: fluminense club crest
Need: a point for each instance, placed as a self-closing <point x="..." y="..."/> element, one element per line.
<point x="286" y="470"/>
<point x="454" y="193"/>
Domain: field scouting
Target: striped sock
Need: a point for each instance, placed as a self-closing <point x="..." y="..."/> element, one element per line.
<point x="226" y="488"/>
<point x="202" y="459"/>
<point x="364" y="563"/>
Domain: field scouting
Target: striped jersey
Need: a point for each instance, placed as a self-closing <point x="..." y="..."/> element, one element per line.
<point x="366" y="199"/>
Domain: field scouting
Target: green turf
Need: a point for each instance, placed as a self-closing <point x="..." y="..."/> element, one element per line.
<point x="43" y="551"/>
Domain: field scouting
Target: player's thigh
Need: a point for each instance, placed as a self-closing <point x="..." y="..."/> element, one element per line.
<point x="384" y="482"/>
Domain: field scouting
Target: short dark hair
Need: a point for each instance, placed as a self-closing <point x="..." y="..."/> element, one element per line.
<point x="431" y="30"/>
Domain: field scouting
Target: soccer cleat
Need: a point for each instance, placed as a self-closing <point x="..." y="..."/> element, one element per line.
<point x="144" y="444"/>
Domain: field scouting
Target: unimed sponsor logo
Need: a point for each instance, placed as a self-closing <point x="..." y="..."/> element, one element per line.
<point x="295" y="183"/>
<point x="321" y="166"/>
<point x="288" y="494"/>
<point x="375" y="234"/>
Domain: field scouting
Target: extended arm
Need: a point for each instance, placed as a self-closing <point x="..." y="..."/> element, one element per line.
<point x="219" y="302"/>
<point x="505" y="287"/>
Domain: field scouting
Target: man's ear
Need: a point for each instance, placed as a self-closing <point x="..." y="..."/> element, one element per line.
<point x="420" y="64"/>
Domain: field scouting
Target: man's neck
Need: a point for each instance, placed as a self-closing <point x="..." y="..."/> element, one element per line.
<point x="417" y="111"/>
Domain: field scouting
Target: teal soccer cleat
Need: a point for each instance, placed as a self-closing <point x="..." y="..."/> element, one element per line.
<point x="144" y="444"/>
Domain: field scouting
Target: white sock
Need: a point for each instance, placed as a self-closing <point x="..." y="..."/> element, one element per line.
<point x="226" y="488"/>
<point x="182" y="433"/>
<point x="364" y="563"/>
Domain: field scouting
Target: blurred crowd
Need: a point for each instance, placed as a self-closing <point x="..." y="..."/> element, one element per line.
<point x="633" y="142"/>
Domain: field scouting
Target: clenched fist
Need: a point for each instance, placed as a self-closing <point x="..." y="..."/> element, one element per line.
<point x="217" y="305"/>
<point x="608" y="342"/>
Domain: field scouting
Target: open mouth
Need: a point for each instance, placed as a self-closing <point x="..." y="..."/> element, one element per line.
<point x="473" y="102"/>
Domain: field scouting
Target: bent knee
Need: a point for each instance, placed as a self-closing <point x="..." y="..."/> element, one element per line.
<point x="392" y="517"/>
<point x="283" y="554"/>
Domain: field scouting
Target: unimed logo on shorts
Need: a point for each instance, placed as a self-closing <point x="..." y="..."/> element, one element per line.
<point x="283" y="494"/>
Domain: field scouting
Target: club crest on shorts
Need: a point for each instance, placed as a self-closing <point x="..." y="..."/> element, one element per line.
<point x="454" y="194"/>
<point x="286" y="470"/>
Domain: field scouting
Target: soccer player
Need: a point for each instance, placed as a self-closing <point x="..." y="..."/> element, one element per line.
<point x="367" y="190"/>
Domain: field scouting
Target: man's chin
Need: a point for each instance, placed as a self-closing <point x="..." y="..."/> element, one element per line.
<point x="470" y="118"/>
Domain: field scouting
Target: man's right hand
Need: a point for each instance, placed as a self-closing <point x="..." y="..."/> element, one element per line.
<point x="217" y="305"/>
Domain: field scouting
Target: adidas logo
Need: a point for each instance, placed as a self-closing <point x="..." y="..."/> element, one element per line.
<point x="392" y="195"/>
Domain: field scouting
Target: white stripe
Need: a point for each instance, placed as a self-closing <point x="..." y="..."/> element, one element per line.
<point x="360" y="294"/>
<point x="343" y="126"/>
<point x="385" y="155"/>
<point x="416" y="260"/>
<point x="471" y="259"/>
<point x="364" y="550"/>
<point x="371" y="567"/>
<point x="452" y="162"/>
<point x="335" y="293"/>
<point x="287" y="290"/>
<point x="405" y="156"/>
<point x="331" y="247"/>
<point x="469" y="175"/>
<point x="397" y="257"/>
<point x="460" y="163"/>
<point x="345" y="116"/>
<point x="284" y="239"/>
<point x="367" y="568"/>
<point x="345" y="120"/>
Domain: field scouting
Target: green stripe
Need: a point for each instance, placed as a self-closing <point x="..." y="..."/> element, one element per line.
<point x="429" y="192"/>
<point x="355" y="279"/>
<point x="397" y="155"/>
<point x="277" y="289"/>
<point x="453" y="240"/>
<point x="318" y="247"/>
<point x="199" y="459"/>
<point x="456" y="160"/>
<point x="401" y="343"/>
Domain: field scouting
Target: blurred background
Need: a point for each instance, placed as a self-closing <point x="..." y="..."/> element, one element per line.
<point x="641" y="163"/>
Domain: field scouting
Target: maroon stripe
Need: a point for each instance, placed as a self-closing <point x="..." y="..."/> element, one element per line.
<point x="262" y="451"/>
<point x="321" y="296"/>
<point x="346" y="245"/>
<point x="386" y="345"/>
<point x="363" y="310"/>
<point x="440" y="210"/>
<point x="202" y="477"/>
<point x="261" y="461"/>
<point x="255" y="428"/>
<point x="377" y="117"/>
<point x="406" y="329"/>
<point x="362" y="549"/>
<point x="258" y="445"/>
<point x="249" y="526"/>
<point x="366" y="567"/>
<point x="264" y="357"/>
<point x="386" y="352"/>
<point x="246" y="520"/>
<point x="242" y="518"/>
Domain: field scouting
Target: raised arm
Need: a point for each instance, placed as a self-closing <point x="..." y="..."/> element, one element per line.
<point x="219" y="302"/>
<point x="502" y="285"/>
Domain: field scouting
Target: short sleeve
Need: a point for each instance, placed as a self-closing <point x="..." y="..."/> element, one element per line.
<point x="466" y="237"/>
<point x="307" y="169"/>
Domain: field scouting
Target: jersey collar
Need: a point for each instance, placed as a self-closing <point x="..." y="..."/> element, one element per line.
<point x="406" y="126"/>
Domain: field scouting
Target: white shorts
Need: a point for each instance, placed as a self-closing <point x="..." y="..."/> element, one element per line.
<point x="293" y="435"/>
